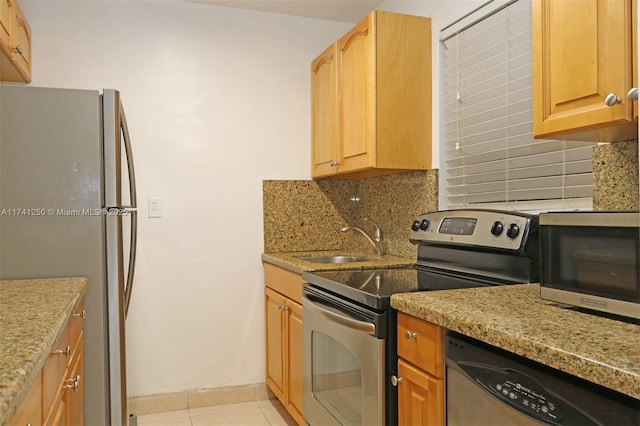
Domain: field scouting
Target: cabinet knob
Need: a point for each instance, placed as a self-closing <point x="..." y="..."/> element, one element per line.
<point x="612" y="99"/>
<point x="410" y="335"/>
<point x="334" y="163"/>
<point x="73" y="383"/>
<point x="395" y="380"/>
<point x="18" y="50"/>
<point x="66" y="351"/>
<point x="283" y="308"/>
<point x="82" y="314"/>
<point x="632" y="95"/>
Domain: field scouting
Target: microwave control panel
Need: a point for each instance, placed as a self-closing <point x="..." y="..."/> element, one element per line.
<point x="486" y="228"/>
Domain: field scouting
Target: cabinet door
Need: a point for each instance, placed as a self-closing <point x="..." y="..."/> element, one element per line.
<point x="275" y="342"/>
<point x="634" y="50"/>
<point x="420" y="397"/>
<point x="356" y="94"/>
<point x="74" y="389"/>
<point x="6" y="24"/>
<point x="22" y="45"/>
<point x="294" y="355"/>
<point x="582" y="52"/>
<point x="324" y="139"/>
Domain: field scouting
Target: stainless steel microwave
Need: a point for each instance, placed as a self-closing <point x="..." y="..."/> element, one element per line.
<point x="591" y="260"/>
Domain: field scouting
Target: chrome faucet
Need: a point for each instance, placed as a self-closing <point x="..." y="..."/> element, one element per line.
<point x="377" y="235"/>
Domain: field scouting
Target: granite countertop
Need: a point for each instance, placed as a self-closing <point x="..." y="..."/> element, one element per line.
<point x="596" y="348"/>
<point x="32" y="315"/>
<point x="292" y="261"/>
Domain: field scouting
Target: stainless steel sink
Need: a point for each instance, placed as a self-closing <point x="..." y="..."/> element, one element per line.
<point x="336" y="259"/>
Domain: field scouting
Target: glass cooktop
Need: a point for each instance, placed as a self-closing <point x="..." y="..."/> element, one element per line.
<point x="374" y="287"/>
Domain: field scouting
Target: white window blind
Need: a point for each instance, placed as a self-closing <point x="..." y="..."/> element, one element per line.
<point x="489" y="158"/>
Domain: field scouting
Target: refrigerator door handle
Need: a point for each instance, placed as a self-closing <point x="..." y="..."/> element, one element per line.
<point x="132" y="209"/>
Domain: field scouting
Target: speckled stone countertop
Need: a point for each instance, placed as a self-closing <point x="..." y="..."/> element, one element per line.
<point x="292" y="261"/>
<point x="599" y="349"/>
<point x="32" y="315"/>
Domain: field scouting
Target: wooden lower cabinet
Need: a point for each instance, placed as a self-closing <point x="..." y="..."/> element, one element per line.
<point x="56" y="396"/>
<point x="421" y="372"/>
<point x="283" y="328"/>
<point x="420" y="397"/>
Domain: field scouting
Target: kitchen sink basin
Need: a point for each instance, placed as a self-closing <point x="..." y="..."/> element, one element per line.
<point x="336" y="259"/>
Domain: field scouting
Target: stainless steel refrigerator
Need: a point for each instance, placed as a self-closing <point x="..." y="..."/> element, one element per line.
<point x="68" y="208"/>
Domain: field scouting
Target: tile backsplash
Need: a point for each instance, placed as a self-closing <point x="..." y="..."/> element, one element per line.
<point x="301" y="215"/>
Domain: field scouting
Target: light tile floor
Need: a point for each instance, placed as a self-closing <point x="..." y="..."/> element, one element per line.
<point x="255" y="413"/>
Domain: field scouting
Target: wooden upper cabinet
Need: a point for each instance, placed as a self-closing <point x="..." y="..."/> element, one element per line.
<point x="15" y="43"/>
<point x="22" y="44"/>
<point x="324" y="113"/>
<point x="6" y="23"/>
<point x="379" y="121"/>
<point x="583" y="52"/>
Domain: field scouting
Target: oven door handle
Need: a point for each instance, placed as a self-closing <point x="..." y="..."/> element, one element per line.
<point x="338" y="318"/>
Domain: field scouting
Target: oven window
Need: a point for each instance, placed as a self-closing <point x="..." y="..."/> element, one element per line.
<point x="603" y="261"/>
<point x="336" y="379"/>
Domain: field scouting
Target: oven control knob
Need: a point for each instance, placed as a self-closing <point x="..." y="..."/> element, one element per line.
<point x="513" y="231"/>
<point x="497" y="228"/>
<point x="424" y="225"/>
<point x="415" y="226"/>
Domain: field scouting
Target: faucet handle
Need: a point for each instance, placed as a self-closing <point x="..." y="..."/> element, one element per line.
<point x="377" y="236"/>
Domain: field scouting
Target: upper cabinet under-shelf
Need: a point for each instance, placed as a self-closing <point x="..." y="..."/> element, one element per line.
<point x="585" y="63"/>
<point x="15" y="43"/>
<point x="371" y="99"/>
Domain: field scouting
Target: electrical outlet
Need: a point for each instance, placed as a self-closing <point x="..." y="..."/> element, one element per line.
<point x="155" y="207"/>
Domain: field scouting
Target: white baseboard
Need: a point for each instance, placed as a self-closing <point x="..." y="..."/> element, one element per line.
<point x="150" y="404"/>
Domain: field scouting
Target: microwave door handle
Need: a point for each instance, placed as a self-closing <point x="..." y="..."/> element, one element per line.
<point x="133" y="246"/>
<point x="335" y="317"/>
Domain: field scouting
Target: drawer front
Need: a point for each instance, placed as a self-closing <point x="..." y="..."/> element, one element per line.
<point x="283" y="281"/>
<point x="76" y="324"/>
<point x="422" y="344"/>
<point x="54" y="369"/>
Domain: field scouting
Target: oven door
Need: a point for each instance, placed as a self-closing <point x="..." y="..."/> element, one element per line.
<point x="343" y="361"/>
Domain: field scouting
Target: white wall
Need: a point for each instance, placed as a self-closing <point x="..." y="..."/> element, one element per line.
<point x="217" y="100"/>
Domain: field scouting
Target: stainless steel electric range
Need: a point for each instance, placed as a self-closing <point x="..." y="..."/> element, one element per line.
<point x="349" y="328"/>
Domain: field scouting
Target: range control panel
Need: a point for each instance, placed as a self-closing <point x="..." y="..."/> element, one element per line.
<point x="488" y="228"/>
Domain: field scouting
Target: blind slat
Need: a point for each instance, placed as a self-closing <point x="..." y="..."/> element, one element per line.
<point x="489" y="155"/>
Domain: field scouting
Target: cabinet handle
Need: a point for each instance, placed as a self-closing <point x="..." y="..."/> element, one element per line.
<point x="66" y="351"/>
<point x="612" y="99"/>
<point x="283" y="308"/>
<point x="73" y="383"/>
<point x="334" y="163"/>
<point x="410" y="335"/>
<point x="82" y="314"/>
<point x="18" y="50"/>
<point x="632" y="95"/>
<point x="395" y="380"/>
